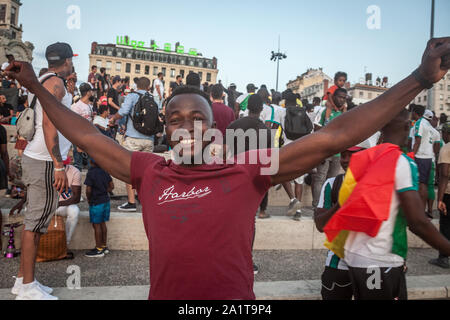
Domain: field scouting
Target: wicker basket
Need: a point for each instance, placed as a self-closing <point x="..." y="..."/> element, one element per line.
<point x="53" y="245"/>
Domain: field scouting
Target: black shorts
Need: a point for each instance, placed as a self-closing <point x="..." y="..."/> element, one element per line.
<point x="379" y="283"/>
<point x="336" y="284"/>
<point x="424" y="167"/>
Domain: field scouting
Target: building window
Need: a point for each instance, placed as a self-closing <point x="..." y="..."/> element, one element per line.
<point x="164" y="71"/>
<point x="441" y="107"/>
<point x="418" y="99"/>
<point x="361" y="94"/>
<point x="424" y="98"/>
<point x="128" y="68"/>
<point x="147" y="70"/>
<point x="200" y="75"/>
<point x="441" y="86"/>
<point x="182" y="74"/>
<point x="208" y="77"/>
<point x="108" y="65"/>
<point x="448" y="87"/>
<point x="155" y="71"/>
<point x="3" y="13"/>
<point x="119" y="53"/>
<point x="172" y="73"/>
<point x="441" y="97"/>
<point x="13" y="16"/>
<point x="138" y="68"/>
<point x="119" y="66"/>
<point x="99" y="64"/>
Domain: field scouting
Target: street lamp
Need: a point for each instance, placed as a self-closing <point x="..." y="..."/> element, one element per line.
<point x="277" y="57"/>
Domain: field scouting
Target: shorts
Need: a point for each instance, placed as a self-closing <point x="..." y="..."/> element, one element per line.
<point x="42" y="198"/>
<point x="431" y="191"/>
<point x="99" y="213"/>
<point x="137" y="145"/>
<point x="336" y="284"/>
<point x="385" y="283"/>
<point x="424" y="166"/>
<point x="301" y="179"/>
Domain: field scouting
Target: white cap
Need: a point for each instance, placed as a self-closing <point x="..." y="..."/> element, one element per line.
<point x="428" y="115"/>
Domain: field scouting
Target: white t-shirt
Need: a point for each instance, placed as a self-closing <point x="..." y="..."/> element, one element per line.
<point x="36" y="148"/>
<point x="423" y="129"/>
<point x="102" y="122"/>
<point x="159" y="83"/>
<point x="436" y="136"/>
<point x="363" y="251"/>
<point x="83" y="109"/>
<point x="5" y="65"/>
<point x="265" y="115"/>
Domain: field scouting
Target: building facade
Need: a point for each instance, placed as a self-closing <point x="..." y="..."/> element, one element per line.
<point x="440" y="101"/>
<point x="11" y="33"/>
<point x="132" y="59"/>
<point x="362" y="93"/>
<point x="312" y="83"/>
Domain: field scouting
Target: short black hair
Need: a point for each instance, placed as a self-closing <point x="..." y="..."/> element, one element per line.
<point x="340" y="74"/>
<point x="93" y="67"/>
<point x="317" y="99"/>
<point x="189" y="90"/>
<point x="418" y="109"/>
<point x="22" y="100"/>
<point x="102" y="109"/>
<point x="142" y="83"/>
<point x="102" y="70"/>
<point x="178" y="77"/>
<point x="340" y="90"/>
<point x="217" y="91"/>
<point x="255" y="103"/>
<point x="193" y="79"/>
<point x="160" y="74"/>
<point x="264" y="94"/>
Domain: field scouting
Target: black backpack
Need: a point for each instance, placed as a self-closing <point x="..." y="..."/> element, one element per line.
<point x="297" y="123"/>
<point x="145" y="115"/>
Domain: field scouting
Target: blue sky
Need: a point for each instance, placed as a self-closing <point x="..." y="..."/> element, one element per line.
<point x="242" y="33"/>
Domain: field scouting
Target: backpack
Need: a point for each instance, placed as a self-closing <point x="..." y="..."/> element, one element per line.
<point x="145" y="115"/>
<point x="25" y="123"/>
<point x="297" y="123"/>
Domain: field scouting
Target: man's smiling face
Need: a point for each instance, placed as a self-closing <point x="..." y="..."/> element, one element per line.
<point x="182" y="112"/>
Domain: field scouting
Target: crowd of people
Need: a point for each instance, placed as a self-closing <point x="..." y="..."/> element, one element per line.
<point x="116" y="126"/>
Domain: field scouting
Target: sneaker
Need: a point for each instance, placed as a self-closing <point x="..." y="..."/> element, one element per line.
<point x="95" y="253"/>
<point x="255" y="269"/>
<point x="106" y="250"/>
<point x="33" y="291"/>
<point x="129" y="207"/>
<point x="440" y="262"/>
<point x="297" y="216"/>
<point x="19" y="284"/>
<point x="294" y="206"/>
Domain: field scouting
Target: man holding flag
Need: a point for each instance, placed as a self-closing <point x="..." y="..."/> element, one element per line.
<point x="379" y="199"/>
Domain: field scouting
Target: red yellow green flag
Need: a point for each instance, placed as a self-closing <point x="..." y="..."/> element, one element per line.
<point x="365" y="196"/>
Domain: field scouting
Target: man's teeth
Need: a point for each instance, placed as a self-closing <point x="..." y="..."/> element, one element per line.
<point x="188" y="141"/>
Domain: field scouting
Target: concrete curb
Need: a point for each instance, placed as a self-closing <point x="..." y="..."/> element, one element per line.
<point x="419" y="288"/>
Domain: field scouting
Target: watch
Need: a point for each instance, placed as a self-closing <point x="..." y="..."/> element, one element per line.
<point x="423" y="82"/>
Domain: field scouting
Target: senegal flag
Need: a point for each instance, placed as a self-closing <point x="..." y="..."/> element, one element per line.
<point x="365" y="196"/>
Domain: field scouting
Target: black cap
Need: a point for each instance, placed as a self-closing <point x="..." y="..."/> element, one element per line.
<point x="251" y="87"/>
<point x="59" y="51"/>
<point x="85" y="88"/>
<point x="116" y="79"/>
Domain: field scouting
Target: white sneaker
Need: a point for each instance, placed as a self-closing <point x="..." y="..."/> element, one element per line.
<point x="19" y="284"/>
<point x="294" y="205"/>
<point x="32" y="291"/>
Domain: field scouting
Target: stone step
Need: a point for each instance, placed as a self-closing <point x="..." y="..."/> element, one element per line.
<point x="126" y="232"/>
<point x="419" y="288"/>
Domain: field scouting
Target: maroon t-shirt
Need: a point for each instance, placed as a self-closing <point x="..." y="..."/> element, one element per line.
<point x="223" y="116"/>
<point x="199" y="222"/>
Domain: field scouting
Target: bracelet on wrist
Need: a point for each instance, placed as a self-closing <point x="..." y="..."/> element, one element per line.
<point x="423" y="82"/>
<point x="59" y="170"/>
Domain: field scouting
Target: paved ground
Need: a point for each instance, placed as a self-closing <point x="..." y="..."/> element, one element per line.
<point x="130" y="268"/>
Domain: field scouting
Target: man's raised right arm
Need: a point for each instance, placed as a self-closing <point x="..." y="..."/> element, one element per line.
<point x="109" y="155"/>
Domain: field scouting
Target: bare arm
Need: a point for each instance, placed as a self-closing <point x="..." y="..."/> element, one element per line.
<point x="322" y="216"/>
<point x="443" y="181"/>
<point x="88" y="194"/>
<point x="109" y="155"/>
<point x="303" y="155"/>
<point x="417" y="141"/>
<point x="110" y="186"/>
<point x="76" y="196"/>
<point x="413" y="208"/>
